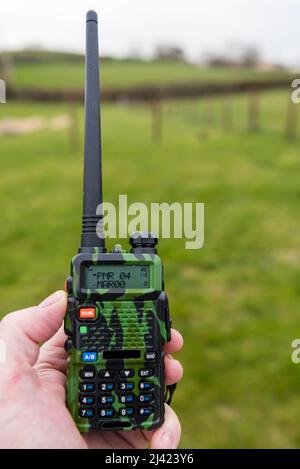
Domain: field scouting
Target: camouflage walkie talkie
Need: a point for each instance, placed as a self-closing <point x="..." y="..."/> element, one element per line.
<point x="117" y="318"/>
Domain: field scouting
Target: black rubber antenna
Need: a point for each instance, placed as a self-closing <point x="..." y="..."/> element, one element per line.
<point x="92" y="183"/>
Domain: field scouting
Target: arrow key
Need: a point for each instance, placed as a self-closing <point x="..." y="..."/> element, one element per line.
<point x="107" y="373"/>
<point x="126" y="373"/>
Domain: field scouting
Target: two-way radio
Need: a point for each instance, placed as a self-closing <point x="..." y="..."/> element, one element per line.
<point x="117" y="317"/>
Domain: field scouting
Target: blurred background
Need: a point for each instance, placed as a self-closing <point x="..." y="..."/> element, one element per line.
<point x="196" y="108"/>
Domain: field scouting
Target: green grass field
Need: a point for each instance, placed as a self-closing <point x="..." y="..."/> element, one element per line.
<point x="56" y="73"/>
<point x="236" y="301"/>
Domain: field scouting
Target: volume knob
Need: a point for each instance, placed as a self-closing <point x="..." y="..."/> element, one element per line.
<point x="143" y="241"/>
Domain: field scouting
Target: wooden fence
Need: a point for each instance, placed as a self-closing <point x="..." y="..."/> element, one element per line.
<point x="150" y="93"/>
<point x="156" y="95"/>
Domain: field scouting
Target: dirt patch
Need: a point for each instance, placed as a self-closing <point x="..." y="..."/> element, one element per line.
<point x="28" y="125"/>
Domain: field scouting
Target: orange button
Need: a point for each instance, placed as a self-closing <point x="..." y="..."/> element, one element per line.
<point x="87" y="313"/>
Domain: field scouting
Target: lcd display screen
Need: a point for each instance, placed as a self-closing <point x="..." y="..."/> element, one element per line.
<point x="115" y="277"/>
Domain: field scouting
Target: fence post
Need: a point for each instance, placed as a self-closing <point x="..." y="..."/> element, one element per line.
<point x="253" y="116"/>
<point x="208" y="110"/>
<point x="227" y="112"/>
<point x="156" y="108"/>
<point x="291" y="120"/>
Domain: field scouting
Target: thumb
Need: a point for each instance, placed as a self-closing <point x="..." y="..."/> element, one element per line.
<point x="23" y="331"/>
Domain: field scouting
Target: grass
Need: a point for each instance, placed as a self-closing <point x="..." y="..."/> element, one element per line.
<point x="236" y="301"/>
<point x="119" y="74"/>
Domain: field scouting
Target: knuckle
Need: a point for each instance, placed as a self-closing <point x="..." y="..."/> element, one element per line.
<point x="7" y="322"/>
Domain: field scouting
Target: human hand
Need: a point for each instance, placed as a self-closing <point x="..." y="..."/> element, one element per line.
<point x="32" y="387"/>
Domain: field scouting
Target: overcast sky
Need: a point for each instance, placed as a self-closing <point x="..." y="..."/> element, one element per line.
<point x="198" y="26"/>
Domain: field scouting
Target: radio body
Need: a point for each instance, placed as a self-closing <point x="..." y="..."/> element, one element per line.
<point x="117" y="322"/>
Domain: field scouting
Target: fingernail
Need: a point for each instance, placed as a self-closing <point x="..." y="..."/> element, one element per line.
<point x="54" y="298"/>
<point x="167" y="441"/>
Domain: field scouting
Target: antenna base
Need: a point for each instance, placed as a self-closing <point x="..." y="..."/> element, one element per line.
<point x="89" y="238"/>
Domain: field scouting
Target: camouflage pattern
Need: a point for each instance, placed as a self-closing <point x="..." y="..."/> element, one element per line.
<point x="126" y="320"/>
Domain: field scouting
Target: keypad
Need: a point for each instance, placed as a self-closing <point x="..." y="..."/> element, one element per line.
<point x="100" y="390"/>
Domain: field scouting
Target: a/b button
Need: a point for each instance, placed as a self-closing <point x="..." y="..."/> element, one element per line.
<point x="89" y="356"/>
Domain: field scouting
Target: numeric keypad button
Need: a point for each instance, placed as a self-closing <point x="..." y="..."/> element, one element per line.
<point x="86" y="400"/>
<point x="106" y="400"/>
<point x="126" y="398"/>
<point x="106" y="413"/>
<point x="126" y="386"/>
<point x="106" y="386"/>
<point x="146" y="398"/>
<point x="146" y="386"/>
<point x="146" y="411"/>
<point x="126" y="411"/>
<point x="87" y="387"/>
<point x="86" y="413"/>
